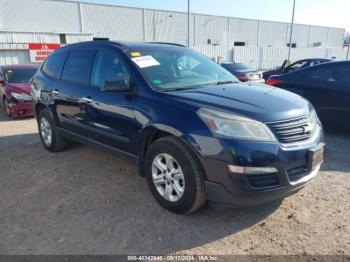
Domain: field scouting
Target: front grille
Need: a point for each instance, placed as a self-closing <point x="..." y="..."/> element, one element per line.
<point x="263" y="180"/>
<point x="294" y="130"/>
<point x="297" y="173"/>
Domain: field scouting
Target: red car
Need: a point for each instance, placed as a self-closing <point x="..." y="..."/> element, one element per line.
<point x="15" y="89"/>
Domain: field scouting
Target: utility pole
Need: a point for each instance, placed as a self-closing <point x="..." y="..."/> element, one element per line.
<point x="347" y="40"/>
<point x="188" y="22"/>
<point x="291" y="31"/>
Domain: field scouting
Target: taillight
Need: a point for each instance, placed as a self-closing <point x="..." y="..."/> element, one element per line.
<point x="274" y="82"/>
<point x="243" y="78"/>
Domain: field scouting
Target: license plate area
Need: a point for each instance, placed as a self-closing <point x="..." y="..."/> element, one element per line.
<point x="256" y="77"/>
<point x="315" y="156"/>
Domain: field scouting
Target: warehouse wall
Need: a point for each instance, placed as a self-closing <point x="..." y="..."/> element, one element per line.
<point x="243" y="30"/>
<point x="112" y="22"/>
<point x="123" y="23"/>
<point x="14" y="57"/>
<point x="39" y="16"/>
<point x="42" y="21"/>
<point x="167" y="26"/>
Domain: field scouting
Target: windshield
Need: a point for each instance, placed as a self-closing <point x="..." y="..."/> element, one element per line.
<point x="180" y="69"/>
<point x="22" y="75"/>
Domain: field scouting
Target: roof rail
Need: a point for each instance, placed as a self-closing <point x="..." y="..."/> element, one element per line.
<point x="166" y="43"/>
<point x="96" y="42"/>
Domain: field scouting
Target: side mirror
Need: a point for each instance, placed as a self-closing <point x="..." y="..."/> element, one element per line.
<point x="122" y="84"/>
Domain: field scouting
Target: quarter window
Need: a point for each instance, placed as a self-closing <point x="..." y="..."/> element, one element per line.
<point x="78" y="66"/>
<point x="54" y="64"/>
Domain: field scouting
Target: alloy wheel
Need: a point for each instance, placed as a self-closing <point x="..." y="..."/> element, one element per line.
<point x="46" y="131"/>
<point x="168" y="177"/>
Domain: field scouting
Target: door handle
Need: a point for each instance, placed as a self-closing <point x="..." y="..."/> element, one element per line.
<point x="85" y="100"/>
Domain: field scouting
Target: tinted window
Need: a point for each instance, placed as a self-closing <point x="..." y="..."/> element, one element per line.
<point x="78" y="66"/>
<point x="324" y="73"/>
<point x="22" y="75"/>
<point x="108" y="67"/>
<point x="297" y="66"/>
<point x="54" y="64"/>
<point x="344" y="74"/>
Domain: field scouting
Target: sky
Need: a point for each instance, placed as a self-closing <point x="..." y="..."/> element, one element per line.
<point x="332" y="13"/>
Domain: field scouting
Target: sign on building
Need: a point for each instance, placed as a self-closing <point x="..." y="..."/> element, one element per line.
<point x="38" y="52"/>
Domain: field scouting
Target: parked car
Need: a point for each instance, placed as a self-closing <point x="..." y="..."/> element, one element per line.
<point x="326" y="86"/>
<point x="285" y="68"/>
<point x="243" y="72"/>
<point x="195" y="131"/>
<point x="15" y="89"/>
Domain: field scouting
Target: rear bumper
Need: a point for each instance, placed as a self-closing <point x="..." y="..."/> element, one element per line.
<point x="21" y="109"/>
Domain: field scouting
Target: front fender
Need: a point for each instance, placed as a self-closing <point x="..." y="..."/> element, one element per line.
<point x="150" y="132"/>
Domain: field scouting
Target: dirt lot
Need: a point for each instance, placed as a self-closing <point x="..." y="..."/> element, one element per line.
<point x="84" y="201"/>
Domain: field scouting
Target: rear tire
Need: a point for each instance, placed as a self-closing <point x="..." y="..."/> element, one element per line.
<point x="50" y="137"/>
<point x="187" y="191"/>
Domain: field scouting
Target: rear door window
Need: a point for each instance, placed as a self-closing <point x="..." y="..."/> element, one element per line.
<point x="328" y="75"/>
<point x="78" y="66"/>
<point x="344" y="75"/>
<point x="54" y="64"/>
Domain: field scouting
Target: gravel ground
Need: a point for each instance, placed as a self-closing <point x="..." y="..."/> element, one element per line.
<point x="84" y="201"/>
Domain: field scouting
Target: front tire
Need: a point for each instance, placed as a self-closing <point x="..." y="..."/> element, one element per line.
<point x="50" y="137"/>
<point x="175" y="176"/>
<point x="6" y="107"/>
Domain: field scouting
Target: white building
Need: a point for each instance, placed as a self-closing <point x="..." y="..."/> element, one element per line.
<point x="50" y="21"/>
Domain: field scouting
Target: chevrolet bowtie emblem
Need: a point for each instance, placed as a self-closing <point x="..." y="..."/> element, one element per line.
<point x="309" y="128"/>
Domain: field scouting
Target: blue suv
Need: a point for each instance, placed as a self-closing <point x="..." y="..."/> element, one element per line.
<point x="196" y="132"/>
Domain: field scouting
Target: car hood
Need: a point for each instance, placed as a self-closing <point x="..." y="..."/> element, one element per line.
<point x="19" y="87"/>
<point x="256" y="101"/>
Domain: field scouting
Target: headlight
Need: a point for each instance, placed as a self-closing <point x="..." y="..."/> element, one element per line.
<point x="238" y="127"/>
<point x="21" y="97"/>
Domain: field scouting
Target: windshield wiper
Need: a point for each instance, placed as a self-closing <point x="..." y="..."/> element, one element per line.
<point x="225" y="82"/>
<point x="197" y="86"/>
<point x="178" y="88"/>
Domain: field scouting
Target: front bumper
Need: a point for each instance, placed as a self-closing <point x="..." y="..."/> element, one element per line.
<point x="21" y="109"/>
<point x="225" y="188"/>
<point x="219" y="196"/>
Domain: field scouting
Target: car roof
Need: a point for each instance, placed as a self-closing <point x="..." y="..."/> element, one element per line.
<point x="29" y="66"/>
<point x="313" y="59"/>
<point x="125" y="45"/>
<point x="331" y="63"/>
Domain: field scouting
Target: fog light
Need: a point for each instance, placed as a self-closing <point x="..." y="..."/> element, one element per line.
<point x="251" y="170"/>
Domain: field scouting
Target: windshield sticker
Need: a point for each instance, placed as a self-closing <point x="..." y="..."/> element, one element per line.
<point x="134" y="54"/>
<point x="157" y="82"/>
<point x="145" y="61"/>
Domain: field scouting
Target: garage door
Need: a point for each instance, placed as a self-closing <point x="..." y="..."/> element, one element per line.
<point x="14" y="57"/>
